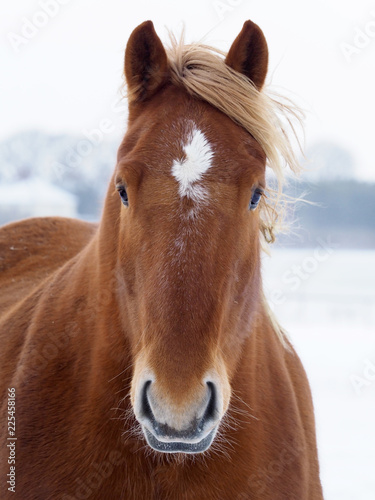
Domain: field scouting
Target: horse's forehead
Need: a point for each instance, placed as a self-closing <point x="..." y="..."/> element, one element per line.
<point x="193" y="156"/>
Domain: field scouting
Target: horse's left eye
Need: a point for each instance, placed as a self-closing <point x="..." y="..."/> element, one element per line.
<point x="257" y="194"/>
<point x="123" y="195"/>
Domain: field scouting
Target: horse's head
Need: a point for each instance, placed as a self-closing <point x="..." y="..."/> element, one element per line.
<point x="190" y="180"/>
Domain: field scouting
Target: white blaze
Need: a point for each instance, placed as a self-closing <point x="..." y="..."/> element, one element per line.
<point x="189" y="171"/>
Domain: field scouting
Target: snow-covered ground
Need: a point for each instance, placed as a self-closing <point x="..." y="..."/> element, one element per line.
<point x="325" y="298"/>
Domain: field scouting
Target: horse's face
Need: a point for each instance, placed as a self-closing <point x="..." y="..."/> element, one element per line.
<point x="190" y="180"/>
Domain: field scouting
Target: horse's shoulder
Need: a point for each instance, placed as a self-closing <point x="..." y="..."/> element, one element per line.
<point x="32" y="249"/>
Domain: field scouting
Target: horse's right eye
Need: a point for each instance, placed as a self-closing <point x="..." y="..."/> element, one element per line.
<point x="123" y="195"/>
<point x="255" y="199"/>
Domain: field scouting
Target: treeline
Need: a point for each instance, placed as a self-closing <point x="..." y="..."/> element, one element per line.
<point x="341" y="210"/>
<point x="81" y="165"/>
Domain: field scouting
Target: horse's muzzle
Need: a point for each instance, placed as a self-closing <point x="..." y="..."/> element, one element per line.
<point x="196" y="435"/>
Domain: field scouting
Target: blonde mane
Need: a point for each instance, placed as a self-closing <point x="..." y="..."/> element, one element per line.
<point x="201" y="70"/>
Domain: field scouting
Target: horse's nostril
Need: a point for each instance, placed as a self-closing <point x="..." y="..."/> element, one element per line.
<point x="146" y="411"/>
<point x="211" y="409"/>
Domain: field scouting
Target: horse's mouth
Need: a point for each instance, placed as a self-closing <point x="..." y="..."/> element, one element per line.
<point x="179" y="446"/>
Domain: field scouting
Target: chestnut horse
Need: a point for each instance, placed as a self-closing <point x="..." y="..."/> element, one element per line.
<point x="144" y="360"/>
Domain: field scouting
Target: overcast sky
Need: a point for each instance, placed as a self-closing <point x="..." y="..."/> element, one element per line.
<point x="61" y="71"/>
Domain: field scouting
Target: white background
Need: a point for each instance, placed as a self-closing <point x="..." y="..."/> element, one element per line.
<point x="66" y="77"/>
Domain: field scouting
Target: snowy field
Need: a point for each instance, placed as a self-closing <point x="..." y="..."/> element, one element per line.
<point x="325" y="298"/>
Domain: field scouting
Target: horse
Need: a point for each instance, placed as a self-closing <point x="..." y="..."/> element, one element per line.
<point x="140" y="359"/>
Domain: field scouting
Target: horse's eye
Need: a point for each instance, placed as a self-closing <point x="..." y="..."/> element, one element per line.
<point x="123" y="195"/>
<point x="257" y="194"/>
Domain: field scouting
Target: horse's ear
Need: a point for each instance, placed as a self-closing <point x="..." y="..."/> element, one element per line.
<point x="146" y="64"/>
<point x="249" y="54"/>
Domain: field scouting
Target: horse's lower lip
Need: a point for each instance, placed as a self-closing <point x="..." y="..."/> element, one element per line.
<point x="179" y="446"/>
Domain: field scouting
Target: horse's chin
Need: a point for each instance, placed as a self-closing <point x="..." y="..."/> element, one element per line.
<point x="179" y="446"/>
